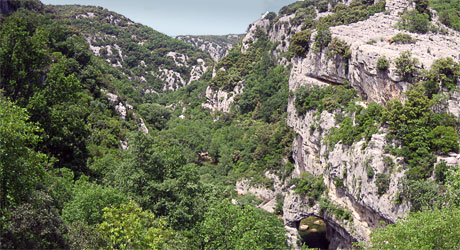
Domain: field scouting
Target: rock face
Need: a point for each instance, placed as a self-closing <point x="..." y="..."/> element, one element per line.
<point x="220" y="100"/>
<point x="216" y="46"/>
<point x="122" y="110"/>
<point x="351" y="173"/>
<point x="358" y="191"/>
<point x="142" y="54"/>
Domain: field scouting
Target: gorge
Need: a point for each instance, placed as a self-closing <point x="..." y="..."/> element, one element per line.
<point x="326" y="125"/>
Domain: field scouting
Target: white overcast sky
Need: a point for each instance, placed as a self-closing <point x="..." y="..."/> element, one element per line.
<point x="188" y="17"/>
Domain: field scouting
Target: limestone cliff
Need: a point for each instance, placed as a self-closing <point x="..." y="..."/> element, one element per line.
<point x="345" y="169"/>
<point x="148" y="58"/>
<point x="216" y="46"/>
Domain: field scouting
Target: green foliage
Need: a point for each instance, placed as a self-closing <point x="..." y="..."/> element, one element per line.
<point x="443" y="73"/>
<point x="228" y="226"/>
<point x="33" y="224"/>
<point x="447" y="12"/>
<point x="383" y="63"/>
<point x="340" y="213"/>
<point x="23" y="55"/>
<point x="406" y="66"/>
<point x="327" y="98"/>
<point x="352" y="13"/>
<point x="441" y="172"/>
<point x="158" y="179"/>
<point x="369" y="170"/>
<point x="322" y="6"/>
<point x="402" y="38"/>
<point x="444" y="139"/>
<point x="419" y="131"/>
<point x="21" y="167"/>
<point x="300" y="43"/>
<point x="432" y="229"/>
<point x="365" y="124"/>
<point x="423" y="194"/>
<point x="452" y="184"/>
<point x="383" y="183"/>
<point x="83" y="236"/>
<point x="155" y="114"/>
<point x="322" y="38"/>
<point x="339" y="47"/>
<point x="415" y="22"/>
<point x="309" y="185"/>
<point x="88" y="201"/>
<point x="279" y="204"/>
<point x="129" y="227"/>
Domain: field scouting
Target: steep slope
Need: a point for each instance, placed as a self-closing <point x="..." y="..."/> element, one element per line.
<point x="366" y="181"/>
<point x="157" y="61"/>
<point x="216" y="46"/>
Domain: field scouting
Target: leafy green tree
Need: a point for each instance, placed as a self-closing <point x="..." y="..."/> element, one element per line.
<point x="155" y="114"/>
<point x="228" y="226"/>
<point x="300" y="42"/>
<point x="23" y="55"/>
<point x="159" y="179"/>
<point x="444" y="139"/>
<point x="88" y="201"/>
<point x="323" y="37"/>
<point x="21" y="167"/>
<point x="129" y="227"/>
<point x="444" y="72"/>
<point x="61" y="110"/>
<point x="406" y="65"/>
<point x="431" y="229"/>
<point x="34" y="224"/>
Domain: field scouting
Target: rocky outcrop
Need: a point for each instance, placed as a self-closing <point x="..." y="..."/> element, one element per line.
<point x="142" y="54"/>
<point x="122" y="110"/>
<point x="358" y="190"/>
<point x="368" y="40"/>
<point x="351" y="173"/>
<point x="216" y="46"/>
<point x="220" y="100"/>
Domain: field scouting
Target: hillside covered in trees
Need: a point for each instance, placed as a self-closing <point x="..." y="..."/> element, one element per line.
<point x="115" y="136"/>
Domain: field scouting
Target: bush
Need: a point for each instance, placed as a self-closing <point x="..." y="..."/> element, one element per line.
<point x="444" y="71"/>
<point x="415" y="22"/>
<point x="369" y="170"/>
<point x="279" y="204"/>
<point x="322" y="6"/>
<point x="339" y="47"/>
<point x="383" y="63"/>
<point x="310" y="185"/>
<point x="444" y="139"/>
<point x="327" y="98"/>
<point x="401" y="38"/>
<point x="438" y="229"/>
<point x="300" y="42"/>
<point x="406" y="65"/>
<point x="323" y="37"/>
<point x="383" y="183"/>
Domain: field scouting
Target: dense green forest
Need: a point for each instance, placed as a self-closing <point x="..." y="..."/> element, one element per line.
<point x="66" y="183"/>
<point x="74" y="174"/>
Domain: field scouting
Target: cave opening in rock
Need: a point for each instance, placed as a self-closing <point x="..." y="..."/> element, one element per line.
<point x="312" y="232"/>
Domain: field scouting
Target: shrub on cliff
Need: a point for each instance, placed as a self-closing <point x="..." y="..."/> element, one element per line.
<point x="323" y="37"/>
<point x="401" y="38"/>
<point x="415" y="22"/>
<point x="383" y="63"/>
<point x="300" y="42"/>
<point x="406" y="65"/>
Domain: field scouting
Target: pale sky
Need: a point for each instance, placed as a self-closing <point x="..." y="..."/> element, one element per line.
<point x="189" y="17"/>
